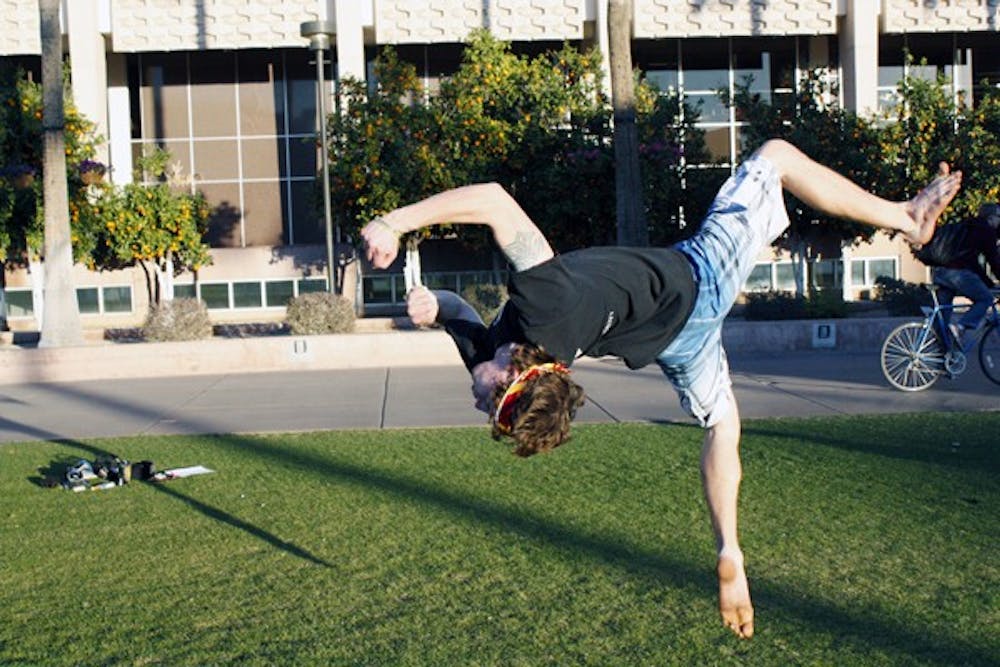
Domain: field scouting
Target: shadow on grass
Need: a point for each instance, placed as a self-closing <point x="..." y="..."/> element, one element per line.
<point x="869" y="628"/>
<point x="922" y="445"/>
<point x="865" y="628"/>
<point x="55" y="468"/>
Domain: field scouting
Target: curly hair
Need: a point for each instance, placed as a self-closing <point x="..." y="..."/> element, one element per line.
<point x="543" y="413"/>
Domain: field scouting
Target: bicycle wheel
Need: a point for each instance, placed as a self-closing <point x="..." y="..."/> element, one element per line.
<point x="912" y="357"/>
<point x="989" y="352"/>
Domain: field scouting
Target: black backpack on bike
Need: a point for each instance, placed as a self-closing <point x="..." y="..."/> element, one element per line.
<point x="947" y="246"/>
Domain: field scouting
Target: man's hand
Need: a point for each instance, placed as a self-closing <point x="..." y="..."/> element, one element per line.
<point x="381" y="243"/>
<point x="422" y="306"/>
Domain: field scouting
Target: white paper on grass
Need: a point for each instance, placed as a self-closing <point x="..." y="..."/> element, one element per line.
<point x="189" y="471"/>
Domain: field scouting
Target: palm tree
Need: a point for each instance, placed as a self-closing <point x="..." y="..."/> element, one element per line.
<point x="60" y="311"/>
<point x="630" y="212"/>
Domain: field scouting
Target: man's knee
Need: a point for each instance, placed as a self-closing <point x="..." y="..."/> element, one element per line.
<point x="777" y="151"/>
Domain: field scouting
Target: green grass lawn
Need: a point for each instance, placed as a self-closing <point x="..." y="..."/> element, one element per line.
<point x="869" y="541"/>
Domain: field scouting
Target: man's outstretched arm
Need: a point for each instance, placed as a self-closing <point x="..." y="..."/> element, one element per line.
<point x="425" y="307"/>
<point x="485" y="204"/>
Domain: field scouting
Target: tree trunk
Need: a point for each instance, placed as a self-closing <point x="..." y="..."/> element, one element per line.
<point x="61" y="317"/>
<point x="166" y="278"/>
<point x="798" y="250"/>
<point x="150" y="281"/>
<point x="629" y="208"/>
<point x="3" y="296"/>
<point x="36" y="270"/>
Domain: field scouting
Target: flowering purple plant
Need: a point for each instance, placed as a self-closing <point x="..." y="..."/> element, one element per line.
<point x="17" y="170"/>
<point x="92" y="166"/>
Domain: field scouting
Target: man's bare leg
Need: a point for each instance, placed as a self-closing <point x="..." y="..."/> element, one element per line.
<point x="827" y="191"/>
<point x="721" y="473"/>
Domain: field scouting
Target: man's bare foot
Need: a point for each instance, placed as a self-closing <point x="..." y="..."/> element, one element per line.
<point x="734" y="596"/>
<point x="930" y="203"/>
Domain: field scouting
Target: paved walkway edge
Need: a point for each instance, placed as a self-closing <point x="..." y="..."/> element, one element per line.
<point x="227" y="355"/>
<point x="367" y="350"/>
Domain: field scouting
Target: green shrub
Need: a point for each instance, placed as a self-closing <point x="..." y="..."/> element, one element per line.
<point x="786" y="306"/>
<point x="774" y="306"/>
<point x="178" y="319"/>
<point x="826" y="305"/>
<point x="320" y="313"/>
<point x="900" y="297"/>
<point x="486" y="298"/>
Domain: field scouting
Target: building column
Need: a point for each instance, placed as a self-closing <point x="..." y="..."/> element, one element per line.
<point x="119" y="132"/>
<point x="859" y="56"/>
<point x="603" y="38"/>
<point x="350" y="39"/>
<point x="846" y="254"/>
<point x="88" y="74"/>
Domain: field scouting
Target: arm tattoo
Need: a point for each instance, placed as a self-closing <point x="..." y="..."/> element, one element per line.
<point x="526" y="250"/>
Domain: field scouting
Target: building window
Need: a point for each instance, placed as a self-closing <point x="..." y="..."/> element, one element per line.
<point x="390" y="290"/>
<point x="249" y="293"/>
<point x="20" y="303"/>
<point x="826" y="273"/>
<point x="380" y="290"/>
<point x="241" y="125"/>
<point x="864" y="272"/>
<point x="307" y="285"/>
<point x="116" y="299"/>
<point x="760" y="278"/>
<point x="278" y="293"/>
<point x="930" y="56"/>
<point x="185" y="292"/>
<point x="215" y="295"/>
<point x="784" y="277"/>
<point x="90" y="301"/>
<point x="699" y="68"/>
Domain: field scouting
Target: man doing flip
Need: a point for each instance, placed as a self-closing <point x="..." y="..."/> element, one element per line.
<point x="644" y="305"/>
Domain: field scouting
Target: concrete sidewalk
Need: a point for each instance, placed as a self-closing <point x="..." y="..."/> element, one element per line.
<point x="376" y="345"/>
<point x="793" y="383"/>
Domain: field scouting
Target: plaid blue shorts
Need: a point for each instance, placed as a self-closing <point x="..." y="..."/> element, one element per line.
<point x="747" y="215"/>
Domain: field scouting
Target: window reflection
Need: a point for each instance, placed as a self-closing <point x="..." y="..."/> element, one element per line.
<point x="701" y="68"/>
<point x="253" y="118"/>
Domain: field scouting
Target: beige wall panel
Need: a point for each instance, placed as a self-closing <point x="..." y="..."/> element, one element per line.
<point x="536" y="19"/>
<point x="956" y="15"/>
<point x="709" y="18"/>
<point x="19" y="26"/>
<point x="420" y="21"/>
<point x="164" y="25"/>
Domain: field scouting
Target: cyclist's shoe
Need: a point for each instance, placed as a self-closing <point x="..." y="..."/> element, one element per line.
<point x="957" y="331"/>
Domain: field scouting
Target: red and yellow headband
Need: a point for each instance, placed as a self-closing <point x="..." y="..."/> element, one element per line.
<point x="505" y="406"/>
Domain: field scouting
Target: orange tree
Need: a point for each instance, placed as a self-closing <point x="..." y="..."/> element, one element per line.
<point x="159" y="225"/>
<point x="978" y="134"/>
<point x="893" y="155"/>
<point x="21" y="215"/>
<point x="928" y="126"/>
<point x="827" y="133"/>
<point x="677" y="197"/>
<point x="385" y="147"/>
<point x="538" y="125"/>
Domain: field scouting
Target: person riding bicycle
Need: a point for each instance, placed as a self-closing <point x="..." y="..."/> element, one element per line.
<point x="957" y="253"/>
<point x="645" y="305"/>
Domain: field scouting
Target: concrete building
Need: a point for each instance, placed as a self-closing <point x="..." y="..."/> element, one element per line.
<point x="229" y="87"/>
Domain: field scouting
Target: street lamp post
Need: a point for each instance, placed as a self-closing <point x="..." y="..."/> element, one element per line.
<point x="319" y="34"/>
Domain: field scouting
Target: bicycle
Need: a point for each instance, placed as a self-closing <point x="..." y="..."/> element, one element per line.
<point x="915" y="355"/>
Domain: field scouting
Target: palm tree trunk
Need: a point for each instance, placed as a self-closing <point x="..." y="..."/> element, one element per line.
<point x="61" y="315"/>
<point x="630" y="208"/>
